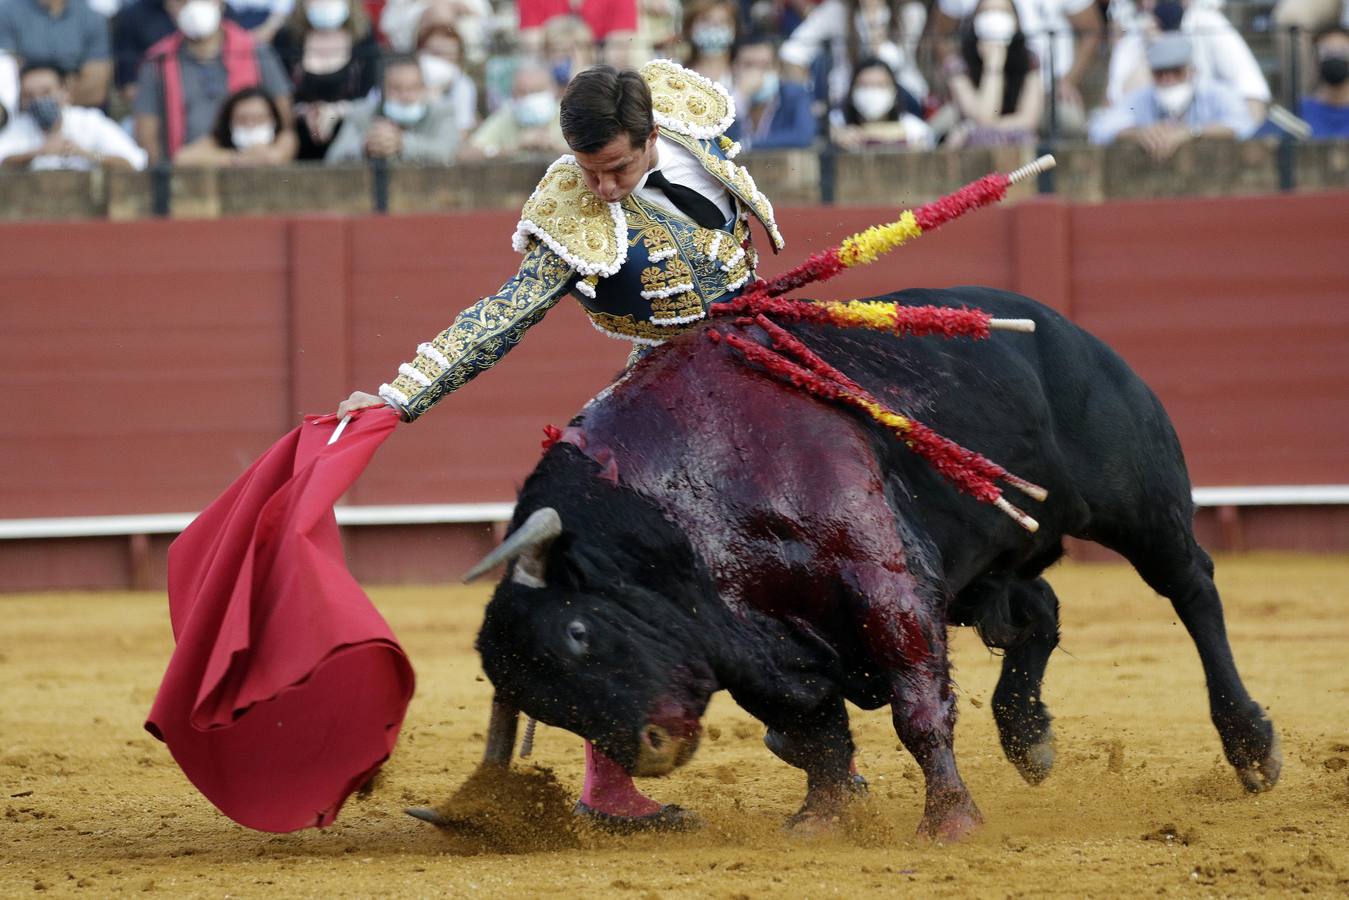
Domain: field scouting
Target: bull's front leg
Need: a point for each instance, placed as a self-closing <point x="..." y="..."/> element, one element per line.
<point x="821" y="745"/>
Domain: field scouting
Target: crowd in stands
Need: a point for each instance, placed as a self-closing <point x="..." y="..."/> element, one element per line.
<point x="131" y="83"/>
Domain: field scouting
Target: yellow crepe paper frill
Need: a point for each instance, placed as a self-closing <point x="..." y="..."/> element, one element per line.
<point x="867" y="246"/>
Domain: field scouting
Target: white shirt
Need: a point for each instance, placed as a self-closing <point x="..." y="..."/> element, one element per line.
<point x="88" y="128"/>
<point x="681" y="167"/>
<point x="1039" y="18"/>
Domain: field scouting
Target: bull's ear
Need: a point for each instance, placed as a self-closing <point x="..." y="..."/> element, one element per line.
<point x="528" y="545"/>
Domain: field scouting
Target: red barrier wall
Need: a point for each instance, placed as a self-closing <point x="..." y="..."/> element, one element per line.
<point x="148" y="363"/>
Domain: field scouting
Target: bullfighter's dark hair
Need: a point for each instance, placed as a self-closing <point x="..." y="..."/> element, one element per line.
<point x="601" y="103"/>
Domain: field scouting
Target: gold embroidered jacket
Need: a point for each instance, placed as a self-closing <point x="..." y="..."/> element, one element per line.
<point x="641" y="272"/>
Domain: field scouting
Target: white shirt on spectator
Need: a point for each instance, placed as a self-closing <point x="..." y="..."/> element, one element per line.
<point x="88" y="128"/>
<point x="680" y="167"/>
<point x="1039" y="18"/>
<point x="829" y="22"/>
<point x="1220" y="52"/>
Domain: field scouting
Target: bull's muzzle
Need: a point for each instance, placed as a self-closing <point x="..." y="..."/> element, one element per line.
<point x="659" y="752"/>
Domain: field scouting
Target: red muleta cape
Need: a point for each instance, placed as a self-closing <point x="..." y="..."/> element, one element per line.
<point x="286" y="689"/>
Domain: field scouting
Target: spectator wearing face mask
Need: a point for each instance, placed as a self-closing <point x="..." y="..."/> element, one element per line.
<point x="440" y="51"/>
<point x="1175" y="108"/>
<point x="770" y="113"/>
<point x="568" y="47"/>
<point x="473" y="19"/>
<point x="332" y="55"/>
<point x="878" y="113"/>
<point x="137" y="27"/>
<point x="995" y="81"/>
<point x="49" y="133"/>
<point x="401" y="123"/>
<point x="856" y="30"/>
<point x="1219" y="53"/>
<point x="710" y="30"/>
<point x="1327" y="109"/>
<point x="1310" y="17"/>
<point x="189" y="74"/>
<point x="66" y="33"/>
<point x="527" y="125"/>
<point x="261" y="18"/>
<point x="247" y="132"/>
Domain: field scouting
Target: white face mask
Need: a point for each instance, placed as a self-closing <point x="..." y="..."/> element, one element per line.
<point x="326" y="13"/>
<point x="252" y="136"/>
<point x="873" y="102"/>
<point x="438" y="72"/>
<point x="1174" y="99"/>
<point x="534" y="110"/>
<point x="997" y="26"/>
<point x="199" y="19"/>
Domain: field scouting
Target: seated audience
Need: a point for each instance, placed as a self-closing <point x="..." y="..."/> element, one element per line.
<point x="1175" y="108"/>
<point x="440" y="51"/>
<point x="874" y="113"/>
<point x="332" y="55"/>
<point x="400" y="123"/>
<point x="1327" y="109"/>
<point x="248" y="132"/>
<point x="399" y="20"/>
<point x="49" y="133"/>
<point x="995" y="80"/>
<point x="854" y="30"/>
<point x="770" y="113"/>
<point x="568" y="47"/>
<point x="187" y="75"/>
<point x="261" y="18"/>
<point x="66" y="33"/>
<point x="710" y="33"/>
<point x="136" y="28"/>
<point x="612" y="22"/>
<point x="1062" y="35"/>
<point x="1220" y="54"/>
<point x="525" y="126"/>
<point x="1310" y="17"/>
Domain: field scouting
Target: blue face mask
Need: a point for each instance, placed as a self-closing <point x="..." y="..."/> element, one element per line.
<point x="562" y="72"/>
<point x="768" y="89"/>
<point x="405" y="114"/>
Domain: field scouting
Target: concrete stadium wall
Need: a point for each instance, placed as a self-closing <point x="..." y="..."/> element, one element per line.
<point x="148" y="363"/>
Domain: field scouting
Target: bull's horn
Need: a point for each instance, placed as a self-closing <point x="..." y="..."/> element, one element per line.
<point x="501" y="735"/>
<point x="530" y="543"/>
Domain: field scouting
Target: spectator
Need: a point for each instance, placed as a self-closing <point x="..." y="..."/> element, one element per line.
<point x="710" y="32"/>
<point x="854" y="29"/>
<point x="874" y="113"/>
<point x="658" y="29"/>
<point x="187" y="75"/>
<point x="1062" y="35"/>
<point x="401" y="123"/>
<point x="331" y="53"/>
<point x="770" y="113"/>
<point x="261" y="18"/>
<point x="1220" y="54"/>
<point x="9" y="85"/>
<point x="440" y="51"/>
<point x="66" y="33"/>
<point x="995" y="80"/>
<point x="49" y="133"/>
<point x="1175" y="108"/>
<point x="612" y="22"/>
<point x="1327" y="110"/>
<point x="248" y="132"/>
<point x="527" y="125"/>
<point x="568" y="47"/>
<point x="137" y="27"/>
<point x="1310" y="17"/>
<point x="399" y="20"/>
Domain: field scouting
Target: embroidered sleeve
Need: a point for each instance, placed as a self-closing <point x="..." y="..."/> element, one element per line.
<point x="481" y="334"/>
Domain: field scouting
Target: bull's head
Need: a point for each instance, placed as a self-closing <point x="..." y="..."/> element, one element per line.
<point x="611" y="664"/>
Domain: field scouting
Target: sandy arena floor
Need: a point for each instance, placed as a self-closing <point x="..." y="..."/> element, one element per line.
<point x="1140" y="801"/>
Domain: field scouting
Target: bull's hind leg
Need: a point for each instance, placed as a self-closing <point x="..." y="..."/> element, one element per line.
<point x="1181" y="571"/>
<point x="1022" y="719"/>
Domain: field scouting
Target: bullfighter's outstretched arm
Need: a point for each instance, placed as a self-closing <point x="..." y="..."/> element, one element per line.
<point x="481" y="335"/>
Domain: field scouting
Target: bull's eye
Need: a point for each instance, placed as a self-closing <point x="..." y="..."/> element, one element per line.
<point x="578" y="638"/>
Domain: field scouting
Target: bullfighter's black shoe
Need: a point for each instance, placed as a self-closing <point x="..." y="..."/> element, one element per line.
<point x="669" y="817"/>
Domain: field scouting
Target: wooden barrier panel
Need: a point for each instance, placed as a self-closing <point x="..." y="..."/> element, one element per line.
<point x="148" y="363"/>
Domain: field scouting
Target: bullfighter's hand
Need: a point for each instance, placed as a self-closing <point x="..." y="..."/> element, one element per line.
<point x="358" y="400"/>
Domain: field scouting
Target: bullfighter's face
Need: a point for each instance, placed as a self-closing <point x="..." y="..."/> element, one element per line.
<point x="597" y="667"/>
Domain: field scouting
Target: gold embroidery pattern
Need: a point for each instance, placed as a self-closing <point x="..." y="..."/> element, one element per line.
<point x="488" y="329"/>
<point x="628" y="327"/>
<point x="687" y="102"/>
<point x="579" y="226"/>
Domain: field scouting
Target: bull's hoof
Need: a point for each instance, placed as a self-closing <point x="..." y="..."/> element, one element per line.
<point x="809" y="823"/>
<point x="668" y="818"/>
<point x="426" y="814"/>
<point x="954" y="823"/>
<point x="1035" y="762"/>
<point x="1265" y="774"/>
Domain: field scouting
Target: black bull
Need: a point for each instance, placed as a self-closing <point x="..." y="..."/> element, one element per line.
<point x="720" y="530"/>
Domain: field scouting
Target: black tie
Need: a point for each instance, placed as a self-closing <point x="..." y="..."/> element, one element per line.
<point x="687" y="200"/>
